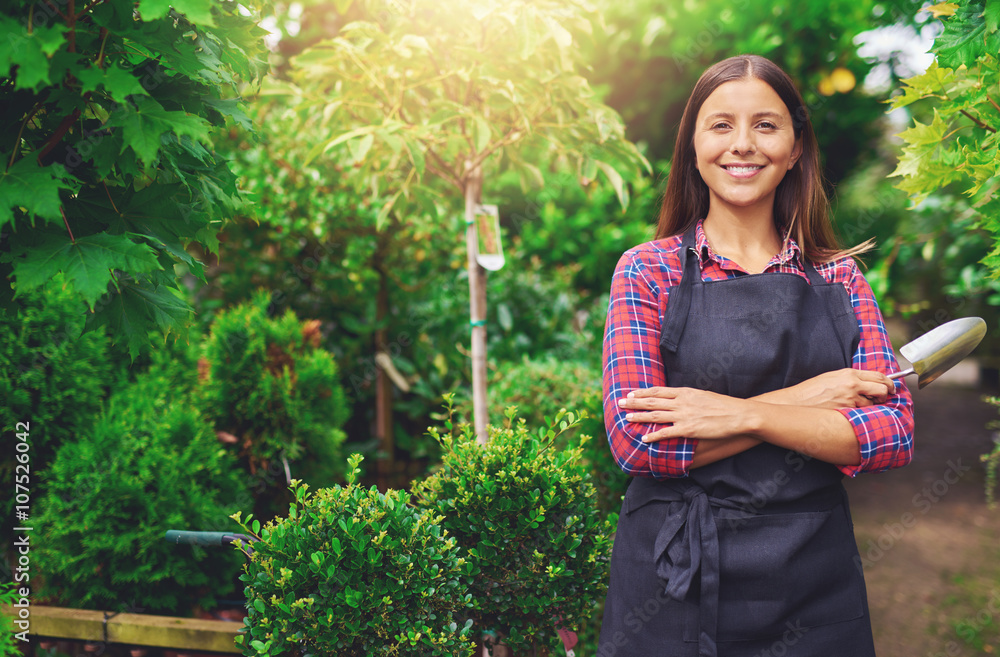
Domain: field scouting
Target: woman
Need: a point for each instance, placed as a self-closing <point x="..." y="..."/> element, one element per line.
<point x="745" y="375"/>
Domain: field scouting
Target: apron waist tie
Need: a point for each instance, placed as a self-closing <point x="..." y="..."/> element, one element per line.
<point x="689" y="541"/>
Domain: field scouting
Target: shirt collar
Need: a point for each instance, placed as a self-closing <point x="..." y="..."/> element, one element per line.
<point x="789" y="251"/>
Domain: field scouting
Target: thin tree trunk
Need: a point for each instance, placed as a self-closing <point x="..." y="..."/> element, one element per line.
<point x="477" y="304"/>
<point x="383" y="388"/>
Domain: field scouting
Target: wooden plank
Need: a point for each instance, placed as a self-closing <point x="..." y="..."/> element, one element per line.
<point x="170" y="632"/>
<point x="132" y="629"/>
<point x="64" y="623"/>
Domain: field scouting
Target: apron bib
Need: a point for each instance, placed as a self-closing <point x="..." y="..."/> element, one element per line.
<point x="754" y="552"/>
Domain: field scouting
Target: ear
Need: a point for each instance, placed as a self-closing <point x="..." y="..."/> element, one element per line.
<point x="796" y="153"/>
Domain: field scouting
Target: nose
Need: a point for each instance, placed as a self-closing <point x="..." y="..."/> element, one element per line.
<point x="743" y="142"/>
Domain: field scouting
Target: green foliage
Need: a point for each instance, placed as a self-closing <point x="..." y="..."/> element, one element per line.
<point x="650" y="53"/>
<point x="455" y="85"/>
<point x="150" y="463"/>
<point x="523" y="510"/>
<point x="354" y="572"/>
<point x="107" y="172"/>
<point x="580" y="225"/>
<point x="10" y="645"/>
<point x="540" y="389"/>
<point x="960" y="145"/>
<point x="992" y="460"/>
<point x="52" y="376"/>
<point x="266" y="383"/>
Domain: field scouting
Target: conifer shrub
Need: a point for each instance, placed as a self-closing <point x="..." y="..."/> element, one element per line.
<point x="524" y="512"/>
<point x="53" y="376"/>
<point x="267" y="385"/>
<point x="149" y="463"/>
<point x="353" y="572"/>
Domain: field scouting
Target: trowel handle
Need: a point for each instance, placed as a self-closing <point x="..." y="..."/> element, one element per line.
<point x="899" y="375"/>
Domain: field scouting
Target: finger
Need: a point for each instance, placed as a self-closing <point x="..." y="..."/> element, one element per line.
<point x="657" y="436"/>
<point x="874" y="376"/>
<point x="646" y="403"/>
<point x="654" y="391"/>
<point x="658" y="417"/>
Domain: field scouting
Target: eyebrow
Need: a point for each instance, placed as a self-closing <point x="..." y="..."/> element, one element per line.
<point x="731" y="116"/>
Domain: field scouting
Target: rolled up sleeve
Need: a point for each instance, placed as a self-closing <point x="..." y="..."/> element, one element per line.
<point x="632" y="361"/>
<point x="884" y="431"/>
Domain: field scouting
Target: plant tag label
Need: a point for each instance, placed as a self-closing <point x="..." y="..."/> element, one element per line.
<point x="569" y="640"/>
<point x="490" y="251"/>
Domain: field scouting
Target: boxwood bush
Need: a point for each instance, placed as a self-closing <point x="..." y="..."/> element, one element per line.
<point x="150" y="463"/>
<point x="353" y="572"/>
<point x="539" y="389"/>
<point x="523" y="510"/>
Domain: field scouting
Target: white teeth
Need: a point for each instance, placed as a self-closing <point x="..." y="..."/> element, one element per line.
<point x="743" y="169"/>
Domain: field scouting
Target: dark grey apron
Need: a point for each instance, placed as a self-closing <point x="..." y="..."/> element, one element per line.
<point x="755" y="552"/>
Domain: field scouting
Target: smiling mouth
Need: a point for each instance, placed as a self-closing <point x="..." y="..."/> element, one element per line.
<point x="742" y="170"/>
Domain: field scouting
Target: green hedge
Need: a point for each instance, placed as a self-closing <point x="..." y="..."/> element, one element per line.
<point x="353" y="572"/>
<point x="149" y="463"/>
<point x="523" y="510"/>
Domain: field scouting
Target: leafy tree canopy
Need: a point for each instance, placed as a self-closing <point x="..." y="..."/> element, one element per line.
<point x="959" y="149"/>
<point x="415" y="87"/>
<point x="108" y="110"/>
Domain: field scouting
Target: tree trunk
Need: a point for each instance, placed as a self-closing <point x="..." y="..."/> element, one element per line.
<point x="477" y="304"/>
<point x="383" y="387"/>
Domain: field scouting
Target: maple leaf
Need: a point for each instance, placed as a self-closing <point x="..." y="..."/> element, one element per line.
<point x="28" y="51"/>
<point x="146" y="122"/>
<point x="88" y="263"/>
<point x="119" y="83"/>
<point x="942" y="9"/>
<point x="32" y="187"/>
<point x="198" y="12"/>
<point x="136" y="309"/>
<point x="965" y="37"/>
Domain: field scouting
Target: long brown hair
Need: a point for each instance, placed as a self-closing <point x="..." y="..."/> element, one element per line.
<point x="801" y="208"/>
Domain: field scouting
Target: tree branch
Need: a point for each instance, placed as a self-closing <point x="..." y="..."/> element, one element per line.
<point x="66" y="222"/>
<point x="993" y="102"/>
<point x="978" y="122"/>
<point x="58" y="134"/>
<point x="448" y="174"/>
<point x="31" y="115"/>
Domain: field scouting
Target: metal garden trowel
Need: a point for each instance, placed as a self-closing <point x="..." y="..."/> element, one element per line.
<point x="940" y="349"/>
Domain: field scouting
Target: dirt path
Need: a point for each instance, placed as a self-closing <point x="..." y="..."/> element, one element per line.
<point x="928" y="542"/>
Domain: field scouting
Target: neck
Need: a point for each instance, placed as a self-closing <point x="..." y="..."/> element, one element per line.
<point x="744" y="235"/>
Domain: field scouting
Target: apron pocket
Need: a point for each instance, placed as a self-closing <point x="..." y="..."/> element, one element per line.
<point x="786" y="572"/>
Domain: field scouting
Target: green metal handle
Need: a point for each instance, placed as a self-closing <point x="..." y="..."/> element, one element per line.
<point x="178" y="537"/>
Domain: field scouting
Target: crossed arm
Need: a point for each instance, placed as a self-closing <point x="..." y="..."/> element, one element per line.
<point x="855" y="417"/>
<point x="802" y="417"/>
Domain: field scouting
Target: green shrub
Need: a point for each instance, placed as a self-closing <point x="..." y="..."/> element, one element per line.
<point x="52" y="376"/>
<point x="10" y="645"/>
<point x="524" y="511"/>
<point x="150" y="463"/>
<point x="352" y="572"/>
<point x="540" y="389"/>
<point x="267" y="383"/>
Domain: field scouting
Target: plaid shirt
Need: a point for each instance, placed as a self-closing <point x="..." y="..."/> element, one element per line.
<point x="639" y="292"/>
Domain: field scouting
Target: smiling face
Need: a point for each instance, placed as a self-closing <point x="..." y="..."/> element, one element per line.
<point x="744" y="141"/>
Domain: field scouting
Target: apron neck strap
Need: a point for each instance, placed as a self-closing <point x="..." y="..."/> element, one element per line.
<point x="692" y="260"/>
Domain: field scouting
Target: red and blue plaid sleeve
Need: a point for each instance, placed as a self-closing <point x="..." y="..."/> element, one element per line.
<point x="632" y="358"/>
<point x="885" y="431"/>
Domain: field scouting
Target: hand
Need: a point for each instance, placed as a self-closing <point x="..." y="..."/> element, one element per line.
<point x="843" y="388"/>
<point x="691" y="413"/>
